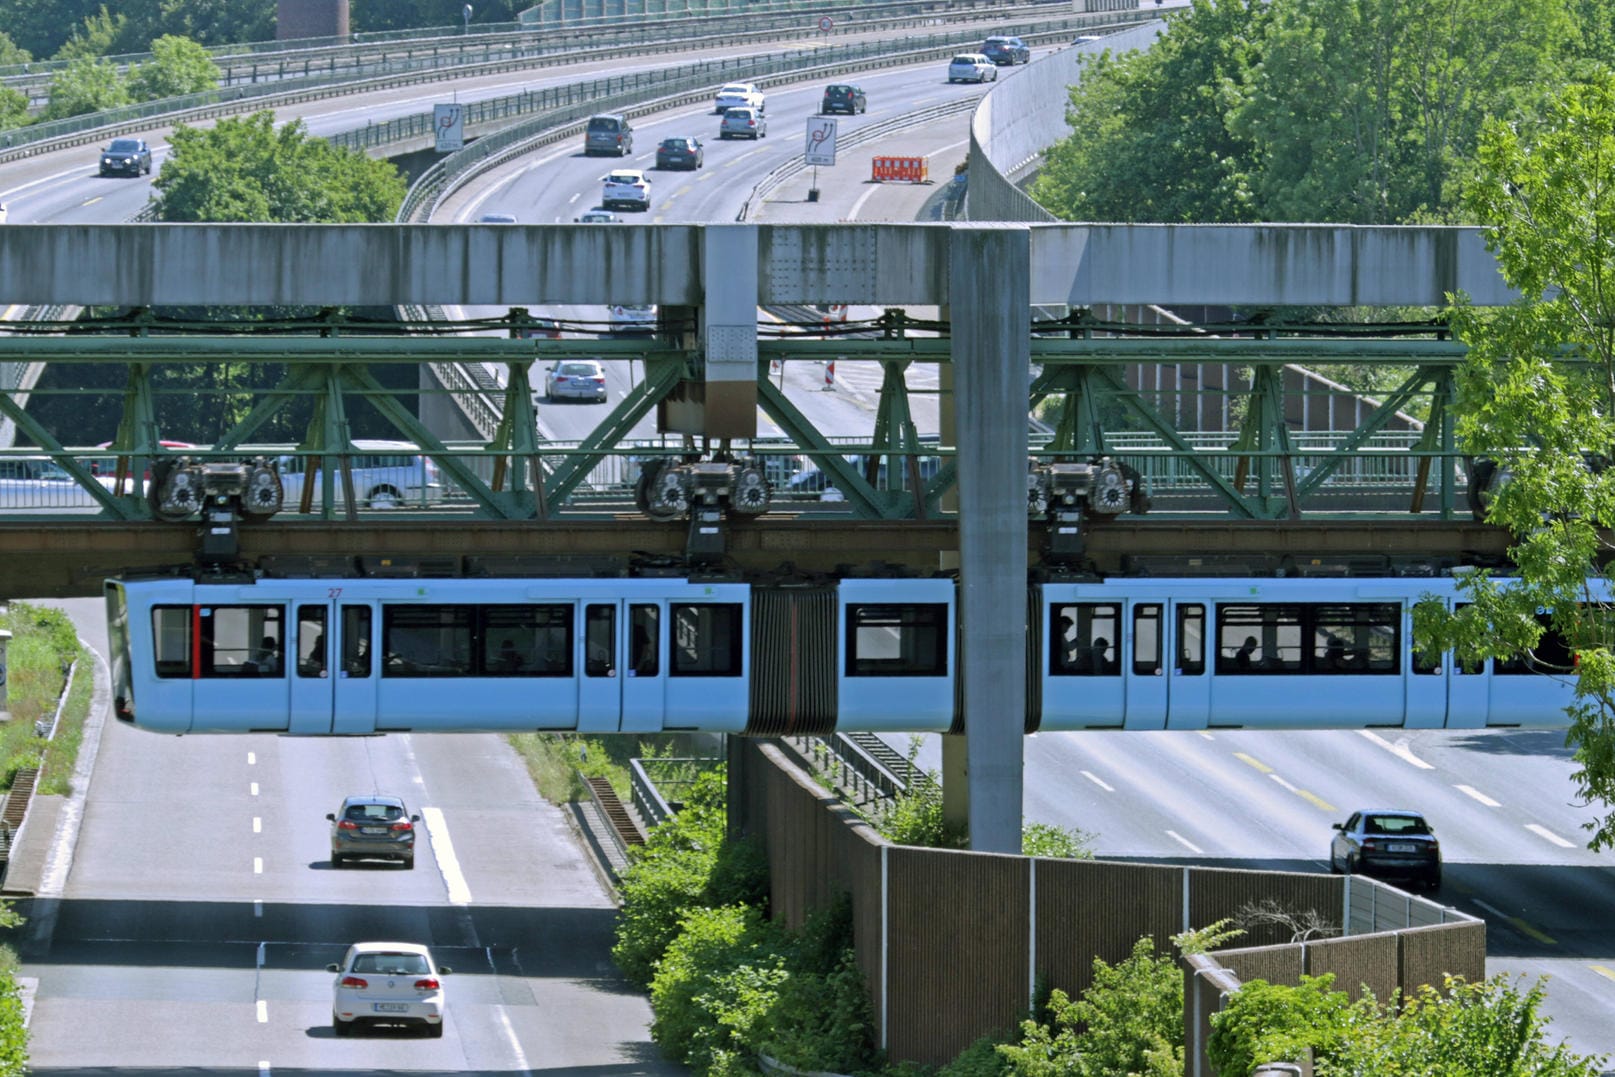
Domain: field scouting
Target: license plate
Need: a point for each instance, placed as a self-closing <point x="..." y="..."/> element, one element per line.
<point x="373" y="830"/>
<point x="390" y="1007"/>
<point x="1402" y="847"/>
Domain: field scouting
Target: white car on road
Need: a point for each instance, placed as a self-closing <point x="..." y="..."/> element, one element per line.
<point x="738" y="95"/>
<point x="972" y="67"/>
<point x="625" y="188"/>
<point x="387" y="983"/>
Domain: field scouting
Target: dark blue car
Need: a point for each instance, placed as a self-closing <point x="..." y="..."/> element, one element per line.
<point x="126" y="157"/>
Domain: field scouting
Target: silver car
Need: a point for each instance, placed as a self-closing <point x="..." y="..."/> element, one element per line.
<point x="373" y="827"/>
<point x="743" y="123"/>
<point x="575" y="379"/>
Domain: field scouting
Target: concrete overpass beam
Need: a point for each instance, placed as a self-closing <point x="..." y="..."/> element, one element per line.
<point x="989" y="296"/>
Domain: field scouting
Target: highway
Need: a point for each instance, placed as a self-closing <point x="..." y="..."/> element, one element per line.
<point x="1501" y="802"/>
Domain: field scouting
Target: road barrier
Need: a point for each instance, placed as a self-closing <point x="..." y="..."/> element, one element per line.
<point x="909" y="169"/>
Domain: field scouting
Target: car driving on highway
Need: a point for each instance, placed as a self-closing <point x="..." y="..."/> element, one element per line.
<point x="626" y="188"/>
<point x="633" y="318"/>
<point x="376" y="827"/>
<point x="598" y="215"/>
<point x="608" y="133"/>
<point x="972" y="67"/>
<point x="126" y="157"/>
<point x="576" y="379"/>
<point x="738" y="95"/>
<point x="1392" y="843"/>
<point x="1006" y="51"/>
<point x="844" y="97"/>
<point x="743" y="123"/>
<point x="394" y="983"/>
<point x="681" y="152"/>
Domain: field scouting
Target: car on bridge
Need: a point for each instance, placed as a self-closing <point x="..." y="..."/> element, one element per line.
<point x="126" y="157"/>
<point x="633" y="318"/>
<point x="742" y="122"/>
<point x="1391" y="843"/>
<point x="626" y="188"/>
<point x="609" y="133"/>
<point x="844" y="97"/>
<point x="386" y="475"/>
<point x="1006" y="51"/>
<point x="395" y="983"/>
<point x="738" y="95"/>
<point x="680" y="152"/>
<point x="497" y="218"/>
<point x="972" y="67"/>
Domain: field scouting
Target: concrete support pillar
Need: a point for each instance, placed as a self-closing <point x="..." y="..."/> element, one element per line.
<point x="729" y="329"/>
<point x="989" y="289"/>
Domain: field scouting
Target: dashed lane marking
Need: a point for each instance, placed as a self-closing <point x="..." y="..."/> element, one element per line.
<point x="257" y="824"/>
<point x="1471" y="791"/>
<point x="1252" y="761"/>
<point x="1604" y="971"/>
<point x="1092" y="777"/>
<point x="1543" y="832"/>
<point x="1518" y="924"/>
<point x="1185" y="842"/>
<point x="443" y="850"/>
<point x="263" y="1012"/>
<point x="1400" y="749"/>
<point x="253" y="788"/>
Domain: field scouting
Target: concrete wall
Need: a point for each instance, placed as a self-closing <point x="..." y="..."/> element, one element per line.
<point x="951" y="942"/>
<point x="310" y="18"/>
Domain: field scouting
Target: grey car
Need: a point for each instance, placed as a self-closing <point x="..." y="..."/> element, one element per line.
<point x="1393" y="843"/>
<point x="743" y="123"/>
<point x="375" y="827"/>
<point x="609" y="133"/>
<point x="126" y="157"/>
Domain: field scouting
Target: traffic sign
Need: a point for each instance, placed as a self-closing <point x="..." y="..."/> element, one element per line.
<point x="821" y="141"/>
<point x="826" y="23"/>
<point x="449" y="123"/>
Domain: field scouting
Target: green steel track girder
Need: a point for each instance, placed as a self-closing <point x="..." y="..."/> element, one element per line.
<point x="1440" y="436"/>
<point x="862" y="497"/>
<point x="1262" y="434"/>
<point x="662" y="373"/>
<point x="115" y="506"/>
<point x="518" y="435"/>
<point x="1372" y="425"/>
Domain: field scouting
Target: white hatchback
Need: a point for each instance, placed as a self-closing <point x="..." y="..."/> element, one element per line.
<point x="625" y="188"/>
<point x="738" y="95"/>
<point x="972" y="67"/>
<point x="388" y="983"/>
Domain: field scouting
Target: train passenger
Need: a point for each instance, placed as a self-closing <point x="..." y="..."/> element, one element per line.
<point x="508" y="660"/>
<point x="314" y="664"/>
<point x="1334" y="654"/>
<point x="1245" y="657"/>
<point x="1097" y="660"/>
<point x="266" y="659"/>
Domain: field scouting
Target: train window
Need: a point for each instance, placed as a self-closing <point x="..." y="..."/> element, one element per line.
<point x="240" y="641"/>
<point x="171" y="639"/>
<point x="1358" y="638"/>
<point x="426" y="641"/>
<point x="600" y="641"/>
<point x="1259" y="639"/>
<point x="897" y="641"/>
<point x="706" y="639"/>
<point x="1550" y="655"/>
<point x="1191" y="628"/>
<point x="311" y="641"/>
<point x="356" y="641"/>
<point x="1147" y="640"/>
<point x="645" y="645"/>
<point x="1081" y="639"/>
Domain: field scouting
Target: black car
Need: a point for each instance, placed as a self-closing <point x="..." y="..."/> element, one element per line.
<point x="843" y="98"/>
<point x="1392" y="843"/>
<point x="1007" y="51"/>
<point x="126" y="157"/>
<point x="680" y="153"/>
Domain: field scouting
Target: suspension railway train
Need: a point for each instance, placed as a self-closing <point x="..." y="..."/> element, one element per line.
<point x="317" y="656"/>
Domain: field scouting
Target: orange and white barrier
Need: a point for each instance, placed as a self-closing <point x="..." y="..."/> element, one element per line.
<point x="907" y="169"/>
<point x="830" y="374"/>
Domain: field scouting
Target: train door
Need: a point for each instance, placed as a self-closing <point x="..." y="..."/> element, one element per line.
<point x="621" y="686"/>
<point x="354" y="688"/>
<point x="1144" y="666"/>
<point x="1188" y="682"/>
<point x="1427" y="680"/>
<point x="1084" y="687"/>
<point x="1469" y="692"/>
<point x="312" y="698"/>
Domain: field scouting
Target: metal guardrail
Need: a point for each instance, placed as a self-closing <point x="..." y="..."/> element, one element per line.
<point x="652" y="807"/>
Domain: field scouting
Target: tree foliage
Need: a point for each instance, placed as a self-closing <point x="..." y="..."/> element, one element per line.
<point x="1537" y="395"/>
<point x="11" y="52"/>
<point x="13" y="108"/>
<point x="177" y="66"/>
<point x="97" y="35"/>
<point x="244" y="169"/>
<point x="88" y="84"/>
<point x="375" y="15"/>
<point x="1356" y="111"/>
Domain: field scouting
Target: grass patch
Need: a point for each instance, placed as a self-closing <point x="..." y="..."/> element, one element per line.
<point x="62" y="752"/>
<point x="555" y="760"/>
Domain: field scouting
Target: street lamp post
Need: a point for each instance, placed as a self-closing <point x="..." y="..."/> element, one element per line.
<point x="466" y="12"/>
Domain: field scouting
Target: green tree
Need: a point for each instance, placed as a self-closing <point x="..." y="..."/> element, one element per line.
<point x="1150" y="139"/>
<point x="244" y="169"/>
<point x="1545" y="197"/>
<point x="88" y="84"/>
<point x="177" y="66"/>
<point x="95" y="36"/>
<point x="12" y="53"/>
<point x="13" y="108"/>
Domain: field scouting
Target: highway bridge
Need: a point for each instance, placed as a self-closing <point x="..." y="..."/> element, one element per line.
<point x="538" y="266"/>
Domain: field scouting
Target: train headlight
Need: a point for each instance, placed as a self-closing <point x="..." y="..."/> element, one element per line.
<point x="1109" y="493"/>
<point x="264" y="495"/>
<point x="751" y="492"/>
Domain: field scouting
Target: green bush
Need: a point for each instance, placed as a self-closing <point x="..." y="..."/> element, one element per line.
<point x="1266" y="1022"/>
<point x="980" y="1059"/>
<point x="13" y="1033"/>
<point x="716" y="984"/>
<point x="822" y="1019"/>
<point x="1050" y="840"/>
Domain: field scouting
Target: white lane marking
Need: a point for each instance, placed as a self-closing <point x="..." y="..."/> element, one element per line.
<point x="1400" y="749"/>
<point x="90" y="201"/>
<point x="1471" y="791"/>
<point x="258" y="907"/>
<point x="1092" y="777"/>
<point x="1185" y="842"/>
<point x="252" y="759"/>
<point x="257" y="865"/>
<point x="263" y="1012"/>
<point x="253" y="788"/>
<point x="443" y="850"/>
<point x="1204" y="734"/>
<point x="514" y="1041"/>
<point x="574" y="198"/>
<point x="1493" y="909"/>
<point x="1543" y="832"/>
<point x="257" y="824"/>
<point x="1284" y="783"/>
